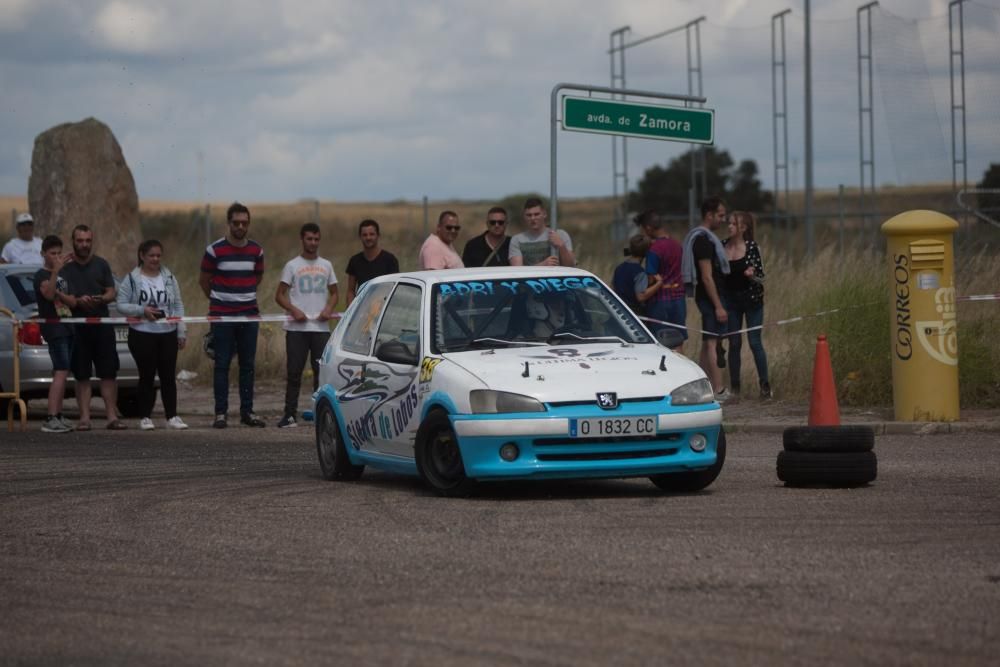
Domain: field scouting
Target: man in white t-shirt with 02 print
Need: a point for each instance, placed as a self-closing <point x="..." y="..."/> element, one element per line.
<point x="308" y="292"/>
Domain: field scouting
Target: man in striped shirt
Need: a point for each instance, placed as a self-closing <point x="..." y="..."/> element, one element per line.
<point x="230" y="272"/>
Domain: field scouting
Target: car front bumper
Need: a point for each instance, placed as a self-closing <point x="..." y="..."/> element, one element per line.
<point x="548" y="450"/>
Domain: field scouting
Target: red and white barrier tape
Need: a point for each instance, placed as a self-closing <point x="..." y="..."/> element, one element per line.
<point x="284" y="317"/>
<point x="190" y="319"/>
<point x="979" y="297"/>
<point x="822" y="313"/>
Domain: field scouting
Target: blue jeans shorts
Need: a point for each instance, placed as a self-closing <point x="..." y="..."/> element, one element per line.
<point x="708" y="321"/>
<point x="61" y="353"/>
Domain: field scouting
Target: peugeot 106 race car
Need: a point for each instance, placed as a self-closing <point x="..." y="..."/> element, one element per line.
<point x="471" y="375"/>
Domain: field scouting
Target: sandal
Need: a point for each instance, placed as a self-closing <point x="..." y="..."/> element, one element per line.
<point x="117" y="425"/>
<point x="83" y="426"/>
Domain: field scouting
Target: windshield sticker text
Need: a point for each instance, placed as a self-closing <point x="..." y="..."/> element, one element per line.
<point x="536" y="285"/>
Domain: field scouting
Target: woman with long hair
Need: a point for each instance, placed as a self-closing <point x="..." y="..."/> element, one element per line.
<point x="151" y="292"/>
<point x="743" y="296"/>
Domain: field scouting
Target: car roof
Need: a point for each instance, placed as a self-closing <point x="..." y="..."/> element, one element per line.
<point x="486" y="273"/>
<point x="20" y="268"/>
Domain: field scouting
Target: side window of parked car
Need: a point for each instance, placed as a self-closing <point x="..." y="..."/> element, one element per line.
<point x="361" y="328"/>
<point x="401" y="324"/>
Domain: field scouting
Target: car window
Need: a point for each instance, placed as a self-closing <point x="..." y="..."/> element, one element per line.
<point x="23" y="286"/>
<point x="526" y="311"/>
<point x="364" y="318"/>
<point x="401" y="322"/>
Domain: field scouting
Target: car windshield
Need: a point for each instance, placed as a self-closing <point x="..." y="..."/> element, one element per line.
<point x="512" y="312"/>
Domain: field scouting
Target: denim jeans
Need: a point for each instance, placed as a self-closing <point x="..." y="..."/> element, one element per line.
<point x="240" y="339"/>
<point x="672" y="310"/>
<point x="739" y="307"/>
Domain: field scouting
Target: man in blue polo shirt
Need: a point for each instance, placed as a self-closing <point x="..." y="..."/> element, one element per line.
<point x="231" y="269"/>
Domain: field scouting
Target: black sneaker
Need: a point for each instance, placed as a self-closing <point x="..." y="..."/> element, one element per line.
<point x="765" y="390"/>
<point x="251" y="419"/>
<point x="220" y="421"/>
<point x="720" y="355"/>
<point x="288" y="421"/>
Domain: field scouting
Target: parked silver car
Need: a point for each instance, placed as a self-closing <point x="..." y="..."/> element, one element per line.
<point x="17" y="294"/>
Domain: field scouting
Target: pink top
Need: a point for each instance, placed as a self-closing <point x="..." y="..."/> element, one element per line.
<point x="436" y="254"/>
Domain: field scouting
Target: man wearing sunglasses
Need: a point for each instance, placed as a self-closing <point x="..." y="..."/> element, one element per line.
<point x="438" y="251"/>
<point x="489" y="248"/>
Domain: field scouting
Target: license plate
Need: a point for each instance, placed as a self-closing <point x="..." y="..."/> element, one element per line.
<point x="121" y="334"/>
<point x="606" y="427"/>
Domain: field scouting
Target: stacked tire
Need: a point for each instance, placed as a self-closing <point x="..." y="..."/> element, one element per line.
<point x="839" y="456"/>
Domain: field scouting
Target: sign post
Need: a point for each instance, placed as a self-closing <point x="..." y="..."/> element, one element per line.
<point x="619" y="117"/>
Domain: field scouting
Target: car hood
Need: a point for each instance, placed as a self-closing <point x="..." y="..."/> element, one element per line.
<point x="577" y="373"/>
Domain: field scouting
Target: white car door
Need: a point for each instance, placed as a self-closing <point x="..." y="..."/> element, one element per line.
<point x="397" y="355"/>
<point x="357" y="385"/>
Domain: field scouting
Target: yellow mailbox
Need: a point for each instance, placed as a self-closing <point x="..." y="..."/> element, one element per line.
<point x="922" y="316"/>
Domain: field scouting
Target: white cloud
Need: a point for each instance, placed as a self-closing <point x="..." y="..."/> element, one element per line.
<point x="14" y="14"/>
<point x="131" y="27"/>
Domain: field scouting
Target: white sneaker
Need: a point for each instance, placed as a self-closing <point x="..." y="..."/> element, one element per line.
<point x="53" y="425"/>
<point x="146" y="424"/>
<point x="723" y="395"/>
<point x="176" y="423"/>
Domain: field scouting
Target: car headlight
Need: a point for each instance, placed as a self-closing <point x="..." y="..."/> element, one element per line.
<point x="693" y="393"/>
<point x="487" y="401"/>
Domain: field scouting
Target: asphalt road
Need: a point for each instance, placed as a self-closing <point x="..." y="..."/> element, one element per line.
<point x="214" y="547"/>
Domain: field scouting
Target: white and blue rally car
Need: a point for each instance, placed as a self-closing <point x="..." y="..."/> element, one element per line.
<point x="470" y="375"/>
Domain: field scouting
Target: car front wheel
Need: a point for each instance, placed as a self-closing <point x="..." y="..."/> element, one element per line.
<point x="333" y="460"/>
<point x="689" y="482"/>
<point x="439" y="460"/>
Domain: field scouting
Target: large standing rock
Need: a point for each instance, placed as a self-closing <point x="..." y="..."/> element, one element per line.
<point x="79" y="176"/>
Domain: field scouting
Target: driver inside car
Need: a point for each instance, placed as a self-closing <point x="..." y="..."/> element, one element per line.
<point x="547" y="313"/>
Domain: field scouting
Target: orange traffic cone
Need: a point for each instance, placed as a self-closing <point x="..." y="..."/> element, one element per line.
<point x="823" y="410"/>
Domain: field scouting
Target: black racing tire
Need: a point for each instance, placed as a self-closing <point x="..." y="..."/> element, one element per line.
<point x="333" y="460"/>
<point x="439" y="459"/>
<point x="840" y="469"/>
<point x="829" y="439"/>
<point x="691" y="482"/>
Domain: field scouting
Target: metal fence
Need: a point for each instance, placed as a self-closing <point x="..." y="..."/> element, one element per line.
<point x="896" y="100"/>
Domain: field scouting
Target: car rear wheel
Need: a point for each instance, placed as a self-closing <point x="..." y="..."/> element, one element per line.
<point x="689" y="482"/>
<point x="333" y="460"/>
<point x="439" y="459"/>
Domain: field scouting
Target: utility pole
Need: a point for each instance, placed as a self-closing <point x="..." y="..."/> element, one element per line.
<point x="807" y="212"/>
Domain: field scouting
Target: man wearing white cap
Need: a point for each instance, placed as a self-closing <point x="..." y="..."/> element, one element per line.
<point x="25" y="248"/>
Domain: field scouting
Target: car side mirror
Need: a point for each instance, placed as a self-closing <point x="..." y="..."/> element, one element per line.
<point x="396" y="352"/>
<point x="670" y="337"/>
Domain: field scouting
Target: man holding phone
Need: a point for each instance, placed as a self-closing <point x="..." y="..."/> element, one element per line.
<point x="89" y="281"/>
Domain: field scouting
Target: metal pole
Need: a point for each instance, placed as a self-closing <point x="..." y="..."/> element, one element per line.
<point x="208" y="224"/>
<point x="618" y="81"/>
<point x="840" y="212"/>
<point x="554" y="121"/>
<point x="807" y="209"/>
<point x="426" y="218"/>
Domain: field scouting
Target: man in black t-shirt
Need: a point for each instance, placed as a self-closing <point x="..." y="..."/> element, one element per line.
<point x="489" y="248"/>
<point x="708" y="271"/>
<point x="90" y="282"/>
<point x="371" y="262"/>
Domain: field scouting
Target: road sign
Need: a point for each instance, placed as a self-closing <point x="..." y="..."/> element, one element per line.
<point x="647" y="121"/>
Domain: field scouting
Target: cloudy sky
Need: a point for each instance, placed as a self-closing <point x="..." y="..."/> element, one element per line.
<point x="381" y="100"/>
